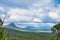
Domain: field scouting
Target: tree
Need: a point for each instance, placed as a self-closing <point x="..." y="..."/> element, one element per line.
<point x="57" y="26"/>
<point x="0" y="28"/>
<point x="4" y="35"/>
<point x="0" y="22"/>
<point x="2" y="31"/>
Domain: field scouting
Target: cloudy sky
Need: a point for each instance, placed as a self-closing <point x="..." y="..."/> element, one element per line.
<point x="46" y="12"/>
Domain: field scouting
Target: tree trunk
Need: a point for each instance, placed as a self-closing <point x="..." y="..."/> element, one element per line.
<point x="1" y="33"/>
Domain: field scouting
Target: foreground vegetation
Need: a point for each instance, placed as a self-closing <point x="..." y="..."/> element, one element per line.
<point x="19" y="35"/>
<point x="11" y="34"/>
<point x="2" y="34"/>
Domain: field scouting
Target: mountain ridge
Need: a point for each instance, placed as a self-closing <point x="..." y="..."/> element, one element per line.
<point x="13" y="26"/>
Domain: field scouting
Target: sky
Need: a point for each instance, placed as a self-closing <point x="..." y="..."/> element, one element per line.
<point x="45" y="12"/>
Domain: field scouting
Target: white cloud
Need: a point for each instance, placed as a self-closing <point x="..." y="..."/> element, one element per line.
<point x="37" y="20"/>
<point x="18" y="11"/>
<point x="41" y="8"/>
<point x="19" y="15"/>
<point x="6" y="24"/>
<point x="35" y="25"/>
<point x="55" y="14"/>
<point x="51" y="24"/>
<point x="1" y="9"/>
<point x="37" y="11"/>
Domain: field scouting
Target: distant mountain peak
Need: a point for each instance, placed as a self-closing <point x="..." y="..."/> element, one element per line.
<point x="12" y="25"/>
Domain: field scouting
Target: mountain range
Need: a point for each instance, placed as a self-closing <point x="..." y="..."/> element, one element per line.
<point x="28" y="28"/>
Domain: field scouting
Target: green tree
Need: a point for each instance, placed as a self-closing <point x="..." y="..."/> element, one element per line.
<point x="2" y="32"/>
<point x="4" y="35"/>
<point x="0" y="29"/>
<point x="57" y="26"/>
<point x="0" y="22"/>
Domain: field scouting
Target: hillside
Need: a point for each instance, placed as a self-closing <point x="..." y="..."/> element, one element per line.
<point x="20" y="35"/>
<point x="28" y="28"/>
